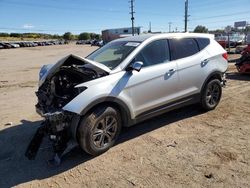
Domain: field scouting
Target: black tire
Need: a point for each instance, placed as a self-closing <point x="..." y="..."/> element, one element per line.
<point x="99" y="130"/>
<point x="211" y="95"/>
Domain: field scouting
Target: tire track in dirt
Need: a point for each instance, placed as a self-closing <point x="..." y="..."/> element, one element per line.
<point x="19" y="85"/>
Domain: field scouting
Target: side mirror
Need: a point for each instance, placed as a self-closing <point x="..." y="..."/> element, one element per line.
<point x="136" y="66"/>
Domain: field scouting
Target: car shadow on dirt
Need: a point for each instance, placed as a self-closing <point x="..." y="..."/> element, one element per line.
<point x="17" y="169"/>
<point x="238" y="76"/>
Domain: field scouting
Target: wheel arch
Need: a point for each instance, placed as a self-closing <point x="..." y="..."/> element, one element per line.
<point x="213" y="75"/>
<point x="106" y="101"/>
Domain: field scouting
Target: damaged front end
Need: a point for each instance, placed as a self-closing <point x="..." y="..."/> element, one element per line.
<point x="56" y="89"/>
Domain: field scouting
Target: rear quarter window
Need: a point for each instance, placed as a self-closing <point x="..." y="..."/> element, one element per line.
<point x="181" y="48"/>
<point x="203" y="42"/>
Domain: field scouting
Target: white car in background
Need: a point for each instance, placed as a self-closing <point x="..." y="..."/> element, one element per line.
<point x="14" y="45"/>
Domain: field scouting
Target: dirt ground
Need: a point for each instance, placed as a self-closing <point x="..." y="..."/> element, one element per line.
<point x="183" y="148"/>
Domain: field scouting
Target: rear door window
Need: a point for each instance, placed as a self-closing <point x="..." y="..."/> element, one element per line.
<point x="181" y="48"/>
<point x="203" y="42"/>
<point x="155" y="53"/>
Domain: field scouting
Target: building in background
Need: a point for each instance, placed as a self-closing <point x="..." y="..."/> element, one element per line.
<point x="111" y="34"/>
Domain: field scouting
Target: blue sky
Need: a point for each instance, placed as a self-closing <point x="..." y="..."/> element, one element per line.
<point x="76" y="16"/>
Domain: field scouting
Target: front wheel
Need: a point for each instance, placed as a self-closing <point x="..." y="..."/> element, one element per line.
<point x="211" y="95"/>
<point x="99" y="130"/>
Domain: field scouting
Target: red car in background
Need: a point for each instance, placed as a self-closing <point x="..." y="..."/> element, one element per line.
<point x="222" y="40"/>
<point x="243" y="65"/>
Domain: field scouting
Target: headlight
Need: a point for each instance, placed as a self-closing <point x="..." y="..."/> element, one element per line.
<point x="44" y="70"/>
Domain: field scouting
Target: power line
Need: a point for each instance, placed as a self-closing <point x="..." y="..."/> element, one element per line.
<point x="212" y="6"/>
<point x="206" y="3"/>
<point x="48" y="30"/>
<point x="231" y="20"/>
<point x="157" y="14"/>
<point x="39" y="5"/>
<point x="222" y="15"/>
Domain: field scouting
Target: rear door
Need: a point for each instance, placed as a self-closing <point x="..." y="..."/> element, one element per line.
<point x="157" y="82"/>
<point x="191" y="63"/>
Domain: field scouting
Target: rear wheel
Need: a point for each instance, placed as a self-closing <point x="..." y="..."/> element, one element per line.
<point x="99" y="130"/>
<point x="211" y="95"/>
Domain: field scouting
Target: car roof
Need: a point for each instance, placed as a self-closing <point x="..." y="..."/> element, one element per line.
<point x="143" y="37"/>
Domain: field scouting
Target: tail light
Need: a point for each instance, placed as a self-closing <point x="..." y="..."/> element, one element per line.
<point x="225" y="56"/>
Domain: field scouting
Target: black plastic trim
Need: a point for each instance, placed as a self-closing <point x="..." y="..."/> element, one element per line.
<point x="195" y="98"/>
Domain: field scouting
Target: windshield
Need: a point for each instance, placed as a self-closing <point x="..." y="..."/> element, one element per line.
<point x="112" y="54"/>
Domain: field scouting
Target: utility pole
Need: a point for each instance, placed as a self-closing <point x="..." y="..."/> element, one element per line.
<point x="149" y="30"/>
<point x="169" y="27"/>
<point x="186" y="14"/>
<point x="132" y="15"/>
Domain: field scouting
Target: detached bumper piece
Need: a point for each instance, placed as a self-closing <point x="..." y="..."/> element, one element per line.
<point x="36" y="142"/>
<point x="55" y="126"/>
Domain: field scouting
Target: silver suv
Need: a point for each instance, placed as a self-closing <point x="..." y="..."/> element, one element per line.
<point x="125" y="82"/>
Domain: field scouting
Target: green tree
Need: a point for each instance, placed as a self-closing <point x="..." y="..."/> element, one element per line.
<point x="97" y="36"/>
<point x="15" y="35"/>
<point x="4" y="35"/>
<point x="200" y="29"/>
<point x="68" y="36"/>
<point x="92" y="35"/>
<point x="55" y="36"/>
<point x="84" y="36"/>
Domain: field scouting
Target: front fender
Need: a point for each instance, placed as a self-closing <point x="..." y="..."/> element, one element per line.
<point x="111" y="88"/>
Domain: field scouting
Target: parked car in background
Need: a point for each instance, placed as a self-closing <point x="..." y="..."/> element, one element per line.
<point x="240" y="49"/>
<point x="13" y="45"/>
<point x="235" y="39"/>
<point x="88" y="42"/>
<point x="6" y="45"/>
<point x="239" y="40"/>
<point x="125" y="82"/>
<point x="79" y="42"/>
<point x="61" y="42"/>
<point x="97" y="43"/>
<point x="100" y="43"/>
<point x="1" y="46"/>
<point x="35" y="44"/>
<point x="16" y="45"/>
<point x="22" y="44"/>
<point x="222" y="40"/>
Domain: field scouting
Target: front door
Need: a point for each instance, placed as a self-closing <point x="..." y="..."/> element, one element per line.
<point x="157" y="82"/>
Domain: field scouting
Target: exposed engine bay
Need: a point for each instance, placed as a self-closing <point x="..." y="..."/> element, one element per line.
<point x="57" y="88"/>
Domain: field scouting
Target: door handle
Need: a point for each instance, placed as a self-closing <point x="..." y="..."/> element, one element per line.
<point x="171" y="70"/>
<point x="204" y="62"/>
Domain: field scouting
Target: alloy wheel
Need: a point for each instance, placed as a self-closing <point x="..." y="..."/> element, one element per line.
<point x="213" y="94"/>
<point x="104" y="131"/>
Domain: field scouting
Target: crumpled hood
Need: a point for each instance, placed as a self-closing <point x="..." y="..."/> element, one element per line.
<point x="48" y="70"/>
